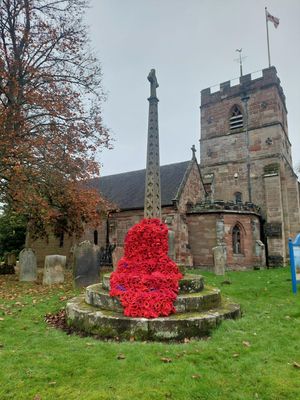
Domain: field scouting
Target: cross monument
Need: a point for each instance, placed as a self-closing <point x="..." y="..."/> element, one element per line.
<point x="152" y="205"/>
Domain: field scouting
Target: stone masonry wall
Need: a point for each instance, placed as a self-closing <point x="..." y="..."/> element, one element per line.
<point x="203" y="237"/>
<point x="224" y="153"/>
<point x="50" y="245"/>
<point x="192" y="191"/>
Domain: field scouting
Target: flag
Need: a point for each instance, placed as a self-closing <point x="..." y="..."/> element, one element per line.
<point x="273" y="19"/>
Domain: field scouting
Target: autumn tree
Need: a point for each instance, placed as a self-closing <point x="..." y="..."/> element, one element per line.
<point x="12" y="232"/>
<point x="50" y="114"/>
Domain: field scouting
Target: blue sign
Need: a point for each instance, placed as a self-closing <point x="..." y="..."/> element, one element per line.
<point x="294" y="248"/>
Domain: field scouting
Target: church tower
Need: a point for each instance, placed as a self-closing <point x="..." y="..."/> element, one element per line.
<point x="246" y="155"/>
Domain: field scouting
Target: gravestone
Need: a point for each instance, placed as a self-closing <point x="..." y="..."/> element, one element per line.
<point x="86" y="269"/>
<point x="27" y="265"/>
<point x="54" y="269"/>
<point x="117" y="254"/>
<point x="220" y="257"/>
<point x="171" y="244"/>
<point x="11" y="259"/>
<point x="260" y="252"/>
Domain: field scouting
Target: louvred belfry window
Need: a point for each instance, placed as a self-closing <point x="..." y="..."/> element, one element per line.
<point x="236" y="119"/>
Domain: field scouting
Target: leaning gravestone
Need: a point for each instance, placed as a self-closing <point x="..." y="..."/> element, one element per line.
<point x="54" y="269"/>
<point x="86" y="268"/>
<point x="28" y="265"/>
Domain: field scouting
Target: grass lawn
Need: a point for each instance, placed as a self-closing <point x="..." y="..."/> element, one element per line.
<point x="255" y="357"/>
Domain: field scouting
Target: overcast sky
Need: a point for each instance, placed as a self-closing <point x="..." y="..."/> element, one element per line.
<point x="191" y="44"/>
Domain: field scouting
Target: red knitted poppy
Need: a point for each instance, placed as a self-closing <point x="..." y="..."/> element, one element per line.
<point x="146" y="279"/>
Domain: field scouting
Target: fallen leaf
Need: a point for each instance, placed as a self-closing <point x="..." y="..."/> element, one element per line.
<point x="52" y="383"/>
<point x="166" y="359"/>
<point x="37" y="397"/>
<point x="1" y="319"/>
<point x="196" y="376"/>
<point x="121" y="357"/>
<point x="235" y="355"/>
<point x="296" y="365"/>
<point x="246" y="344"/>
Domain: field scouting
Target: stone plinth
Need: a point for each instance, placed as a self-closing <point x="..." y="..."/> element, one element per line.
<point x="199" y="311"/>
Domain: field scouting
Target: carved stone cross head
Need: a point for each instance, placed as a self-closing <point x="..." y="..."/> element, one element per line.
<point x="193" y="148"/>
<point x="153" y="81"/>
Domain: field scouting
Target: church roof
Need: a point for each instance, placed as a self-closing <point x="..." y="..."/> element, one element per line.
<point x="127" y="190"/>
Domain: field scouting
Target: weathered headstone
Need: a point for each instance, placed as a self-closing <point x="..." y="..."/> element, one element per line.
<point x="220" y="257"/>
<point x="11" y="259"/>
<point x="54" y="269"/>
<point x="28" y="265"/>
<point x="171" y="244"/>
<point x="116" y="255"/>
<point x="260" y="252"/>
<point x="86" y="269"/>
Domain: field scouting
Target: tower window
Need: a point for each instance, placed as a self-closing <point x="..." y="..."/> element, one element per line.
<point x="96" y="237"/>
<point x="236" y="240"/>
<point x="238" y="197"/>
<point x="236" y="118"/>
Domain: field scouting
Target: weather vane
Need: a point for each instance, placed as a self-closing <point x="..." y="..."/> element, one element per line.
<point x="240" y="60"/>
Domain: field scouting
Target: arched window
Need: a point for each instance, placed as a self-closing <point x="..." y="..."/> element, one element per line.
<point x="236" y="240"/>
<point x="238" y="197"/>
<point x="236" y="118"/>
<point x="96" y="237"/>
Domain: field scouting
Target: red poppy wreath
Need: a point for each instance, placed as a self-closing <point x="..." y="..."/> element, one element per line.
<point x="146" y="279"/>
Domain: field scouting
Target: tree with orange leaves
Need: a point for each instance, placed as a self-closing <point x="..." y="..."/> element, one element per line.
<point x="50" y="114"/>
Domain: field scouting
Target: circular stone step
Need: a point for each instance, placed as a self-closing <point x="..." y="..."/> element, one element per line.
<point x="208" y="298"/>
<point x="190" y="283"/>
<point x="109" y="324"/>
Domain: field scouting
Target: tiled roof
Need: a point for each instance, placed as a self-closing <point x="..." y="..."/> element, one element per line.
<point x="127" y="190"/>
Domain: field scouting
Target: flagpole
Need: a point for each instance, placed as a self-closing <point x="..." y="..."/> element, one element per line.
<point x="268" y="42"/>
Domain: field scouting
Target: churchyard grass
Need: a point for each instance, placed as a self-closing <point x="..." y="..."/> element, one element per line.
<point x="255" y="357"/>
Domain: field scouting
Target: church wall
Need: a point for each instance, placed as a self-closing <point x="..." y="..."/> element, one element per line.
<point x="203" y="237"/>
<point x="248" y="257"/>
<point x="50" y="245"/>
<point x="292" y="204"/>
<point x="192" y="190"/>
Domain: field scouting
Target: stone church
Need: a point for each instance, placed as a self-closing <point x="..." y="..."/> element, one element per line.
<point x="242" y="198"/>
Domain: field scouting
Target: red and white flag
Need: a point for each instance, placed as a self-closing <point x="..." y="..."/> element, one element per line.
<point x="273" y="19"/>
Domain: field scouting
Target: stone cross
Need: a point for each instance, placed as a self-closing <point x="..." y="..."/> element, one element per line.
<point x="152" y="205"/>
<point x="193" y="148"/>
